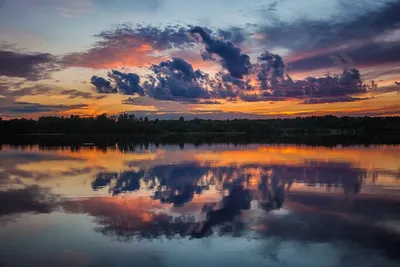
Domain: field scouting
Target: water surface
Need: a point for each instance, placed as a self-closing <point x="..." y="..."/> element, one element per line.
<point x="209" y="205"/>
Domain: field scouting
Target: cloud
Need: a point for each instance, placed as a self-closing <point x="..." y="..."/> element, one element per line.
<point x="10" y="106"/>
<point x="232" y="59"/>
<point x="102" y="85"/>
<point x="210" y="102"/>
<point x="261" y="96"/>
<point x="126" y="83"/>
<point x="72" y="94"/>
<point x="129" y="45"/>
<point x="30" y="66"/>
<point x="366" y="55"/>
<point x="324" y="100"/>
<point x="306" y="34"/>
<point x="271" y="70"/>
<point x="26" y="108"/>
<point x="349" y="82"/>
<point x="177" y="80"/>
<point x="235" y="35"/>
<point x="142" y="45"/>
<point x="274" y="82"/>
<point x="313" y="41"/>
<point x="227" y="87"/>
<point x="170" y="80"/>
<point x="13" y="91"/>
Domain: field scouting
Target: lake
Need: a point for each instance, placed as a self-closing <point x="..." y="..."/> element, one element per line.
<point x="199" y="205"/>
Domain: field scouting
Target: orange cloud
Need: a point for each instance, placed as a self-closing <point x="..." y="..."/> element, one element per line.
<point x="128" y="46"/>
<point x="138" y="54"/>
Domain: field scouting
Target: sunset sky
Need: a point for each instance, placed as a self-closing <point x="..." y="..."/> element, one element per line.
<point x="215" y="59"/>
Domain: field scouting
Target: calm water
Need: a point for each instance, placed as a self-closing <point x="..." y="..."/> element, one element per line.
<point x="218" y="205"/>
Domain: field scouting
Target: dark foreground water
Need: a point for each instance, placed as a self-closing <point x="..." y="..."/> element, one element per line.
<point x="217" y="205"/>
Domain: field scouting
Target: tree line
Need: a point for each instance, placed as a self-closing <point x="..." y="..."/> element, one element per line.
<point x="130" y="124"/>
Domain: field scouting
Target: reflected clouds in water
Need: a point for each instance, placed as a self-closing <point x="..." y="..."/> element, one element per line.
<point x="282" y="193"/>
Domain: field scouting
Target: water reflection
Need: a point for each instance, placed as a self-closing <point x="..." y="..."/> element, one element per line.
<point x="178" y="183"/>
<point x="348" y="197"/>
<point x="237" y="200"/>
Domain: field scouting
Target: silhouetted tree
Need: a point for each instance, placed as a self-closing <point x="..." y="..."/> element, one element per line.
<point x="365" y="127"/>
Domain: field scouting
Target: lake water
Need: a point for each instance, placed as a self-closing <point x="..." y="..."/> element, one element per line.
<point x="212" y="205"/>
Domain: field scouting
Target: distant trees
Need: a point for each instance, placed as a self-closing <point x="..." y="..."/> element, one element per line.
<point x="130" y="124"/>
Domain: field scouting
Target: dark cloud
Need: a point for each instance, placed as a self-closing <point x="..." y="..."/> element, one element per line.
<point x="323" y="100"/>
<point x="102" y="85"/>
<point x="349" y="82"/>
<point x="170" y="80"/>
<point x="270" y="70"/>
<point x="228" y="87"/>
<point x="126" y="83"/>
<point x="10" y="106"/>
<point x="72" y="93"/>
<point x="138" y="45"/>
<point x="28" y="66"/>
<point x="177" y="80"/>
<point x="13" y="91"/>
<point x="355" y="35"/>
<point x="210" y="102"/>
<point x="374" y="53"/>
<point x="374" y="74"/>
<point x="261" y="96"/>
<point x="26" y="108"/>
<point x="308" y="34"/>
<point x="232" y="59"/>
<point x="342" y="60"/>
<point x="235" y="35"/>
<point x="277" y="84"/>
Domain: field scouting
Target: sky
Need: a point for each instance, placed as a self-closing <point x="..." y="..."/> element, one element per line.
<point x="218" y="59"/>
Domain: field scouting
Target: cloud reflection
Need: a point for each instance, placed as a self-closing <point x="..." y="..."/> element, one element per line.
<point x="288" y="193"/>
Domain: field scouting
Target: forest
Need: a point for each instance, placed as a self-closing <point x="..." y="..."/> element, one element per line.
<point x="130" y="124"/>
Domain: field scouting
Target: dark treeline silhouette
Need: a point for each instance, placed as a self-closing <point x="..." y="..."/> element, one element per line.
<point x="131" y="143"/>
<point x="129" y="124"/>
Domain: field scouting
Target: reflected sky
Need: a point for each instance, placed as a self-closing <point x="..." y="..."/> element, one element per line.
<point x="151" y="205"/>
